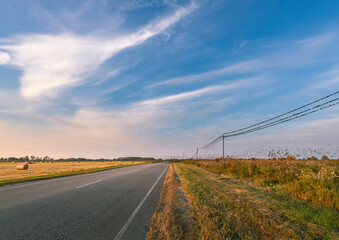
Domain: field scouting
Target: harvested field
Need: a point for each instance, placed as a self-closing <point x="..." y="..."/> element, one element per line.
<point x="8" y="170"/>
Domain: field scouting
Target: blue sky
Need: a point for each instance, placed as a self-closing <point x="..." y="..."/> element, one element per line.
<point x="160" y="78"/>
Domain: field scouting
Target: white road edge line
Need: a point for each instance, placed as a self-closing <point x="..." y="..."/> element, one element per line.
<point x="27" y="184"/>
<point x="88" y="184"/>
<point x="128" y="222"/>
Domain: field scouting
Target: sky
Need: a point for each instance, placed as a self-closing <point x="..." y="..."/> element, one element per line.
<point x="104" y="79"/>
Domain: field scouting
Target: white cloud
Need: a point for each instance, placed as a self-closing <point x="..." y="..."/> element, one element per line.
<point x="79" y="127"/>
<point x="276" y="59"/>
<point x="4" y="58"/>
<point x="199" y="92"/>
<point x="107" y="133"/>
<point x="236" y="68"/>
<point x="243" y="43"/>
<point x="52" y="62"/>
<point x="315" y="41"/>
<point x="327" y="80"/>
<point x="110" y="129"/>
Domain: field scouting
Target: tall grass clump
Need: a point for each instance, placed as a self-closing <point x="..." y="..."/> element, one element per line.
<point x="311" y="180"/>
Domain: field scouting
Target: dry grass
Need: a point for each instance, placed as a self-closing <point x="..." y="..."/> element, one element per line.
<point x="8" y="170"/>
<point x="315" y="181"/>
<point x="170" y="220"/>
<point x="227" y="208"/>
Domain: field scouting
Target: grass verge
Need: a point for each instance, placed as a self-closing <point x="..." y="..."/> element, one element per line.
<point x="170" y="220"/>
<point x="315" y="181"/>
<point x="228" y="208"/>
<point x="62" y="174"/>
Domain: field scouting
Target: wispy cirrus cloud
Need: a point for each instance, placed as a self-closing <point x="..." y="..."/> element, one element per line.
<point x="146" y="116"/>
<point x="279" y="57"/>
<point x="243" y="66"/>
<point x="4" y="57"/>
<point x="315" y="41"/>
<point x="200" y="92"/>
<point x="327" y="80"/>
<point x="183" y="88"/>
<point x="53" y="62"/>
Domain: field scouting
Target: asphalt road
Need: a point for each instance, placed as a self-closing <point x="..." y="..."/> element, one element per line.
<point x="114" y="204"/>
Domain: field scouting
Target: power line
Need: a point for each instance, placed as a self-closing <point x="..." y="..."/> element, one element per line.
<point x="215" y="141"/>
<point x="270" y="123"/>
<point x="286" y="119"/>
<point x="292" y="117"/>
<point x="296" y="109"/>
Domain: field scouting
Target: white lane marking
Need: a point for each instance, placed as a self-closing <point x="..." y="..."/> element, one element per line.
<point x="128" y="222"/>
<point x="88" y="184"/>
<point x="40" y="181"/>
<point x="23" y="184"/>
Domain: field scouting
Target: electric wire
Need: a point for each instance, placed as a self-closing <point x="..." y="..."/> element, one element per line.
<point x="291" y="116"/>
<point x="286" y="119"/>
<point x="269" y="123"/>
<point x="296" y="109"/>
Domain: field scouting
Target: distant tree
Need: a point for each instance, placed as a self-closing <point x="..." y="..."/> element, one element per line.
<point x="324" y="158"/>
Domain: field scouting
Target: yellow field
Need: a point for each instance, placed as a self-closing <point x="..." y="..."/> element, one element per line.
<point x="8" y="170"/>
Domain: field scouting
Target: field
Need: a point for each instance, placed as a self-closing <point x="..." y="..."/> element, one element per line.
<point x="257" y="199"/>
<point x="8" y="172"/>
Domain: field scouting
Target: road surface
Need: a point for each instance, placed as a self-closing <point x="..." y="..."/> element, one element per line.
<point x="113" y="204"/>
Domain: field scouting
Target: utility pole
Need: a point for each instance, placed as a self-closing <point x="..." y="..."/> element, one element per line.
<point x="223" y="147"/>
<point x="197" y="153"/>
